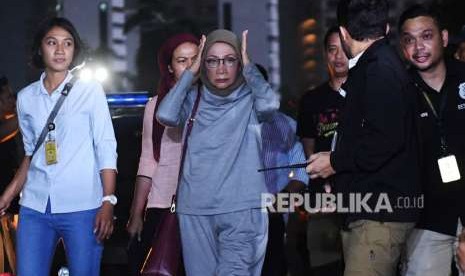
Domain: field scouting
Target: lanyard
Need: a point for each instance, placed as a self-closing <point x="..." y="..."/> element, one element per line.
<point x="49" y="126"/>
<point x="439" y="117"/>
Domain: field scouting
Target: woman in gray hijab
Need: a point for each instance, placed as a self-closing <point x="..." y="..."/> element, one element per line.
<point x="223" y="225"/>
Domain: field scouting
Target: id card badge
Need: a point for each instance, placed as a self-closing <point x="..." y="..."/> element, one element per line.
<point x="51" y="152"/>
<point x="449" y="169"/>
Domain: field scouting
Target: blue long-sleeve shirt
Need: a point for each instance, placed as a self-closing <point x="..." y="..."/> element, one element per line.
<point x="223" y="153"/>
<point x="281" y="147"/>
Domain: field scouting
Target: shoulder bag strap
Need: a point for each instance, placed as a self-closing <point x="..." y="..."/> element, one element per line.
<point x="190" y="123"/>
<point x="53" y="114"/>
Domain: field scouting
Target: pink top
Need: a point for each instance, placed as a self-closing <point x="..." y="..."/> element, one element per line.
<point x="164" y="173"/>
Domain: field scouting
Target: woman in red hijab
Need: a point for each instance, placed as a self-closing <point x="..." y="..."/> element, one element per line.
<point x="159" y="163"/>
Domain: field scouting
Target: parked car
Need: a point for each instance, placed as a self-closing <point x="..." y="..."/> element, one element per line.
<point x="127" y="112"/>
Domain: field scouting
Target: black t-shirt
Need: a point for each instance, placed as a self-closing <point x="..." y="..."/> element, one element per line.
<point x="444" y="202"/>
<point x="319" y="113"/>
<point x="318" y="118"/>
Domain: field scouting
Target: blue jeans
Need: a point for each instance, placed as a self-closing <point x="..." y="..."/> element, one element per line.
<point x="39" y="233"/>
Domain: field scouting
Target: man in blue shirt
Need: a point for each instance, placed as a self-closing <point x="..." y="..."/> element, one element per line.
<point x="280" y="147"/>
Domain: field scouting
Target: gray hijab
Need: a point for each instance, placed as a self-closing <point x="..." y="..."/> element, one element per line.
<point x="230" y="38"/>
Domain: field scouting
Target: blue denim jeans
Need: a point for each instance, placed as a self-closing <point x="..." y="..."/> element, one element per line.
<point x="38" y="234"/>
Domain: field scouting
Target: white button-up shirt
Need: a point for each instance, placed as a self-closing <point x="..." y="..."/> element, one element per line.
<point x="85" y="140"/>
<point x="353" y="61"/>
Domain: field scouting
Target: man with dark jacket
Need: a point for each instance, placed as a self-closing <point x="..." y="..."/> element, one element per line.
<point x="440" y="84"/>
<point x="376" y="155"/>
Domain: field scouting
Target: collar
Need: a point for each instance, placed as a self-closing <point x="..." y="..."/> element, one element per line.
<point x="419" y="81"/>
<point x="368" y="53"/>
<point x="60" y="87"/>
<point x="455" y="70"/>
<point x="353" y="61"/>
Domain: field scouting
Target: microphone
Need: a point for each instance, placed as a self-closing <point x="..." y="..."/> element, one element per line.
<point x="290" y="166"/>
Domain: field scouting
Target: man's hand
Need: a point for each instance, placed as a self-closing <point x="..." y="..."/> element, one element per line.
<point x="320" y="165"/>
<point x="461" y="251"/>
<point x="104" y="222"/>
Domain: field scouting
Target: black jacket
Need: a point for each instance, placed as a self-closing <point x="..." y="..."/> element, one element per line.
<point x="377" y="149"/>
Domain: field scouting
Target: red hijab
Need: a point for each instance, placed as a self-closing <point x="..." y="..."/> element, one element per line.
<point x="165" y="54"/>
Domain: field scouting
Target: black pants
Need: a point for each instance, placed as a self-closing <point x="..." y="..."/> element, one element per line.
<point x="298" y="259"/>
<point x="137" y="251"/>
<point x="275" y="258"/>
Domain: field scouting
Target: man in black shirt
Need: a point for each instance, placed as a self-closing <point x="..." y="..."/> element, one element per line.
<point x="440" y="85"/>
<point x="320" y="107"/>
<point x="376" y="153"/>
<point x="317" y="122"/>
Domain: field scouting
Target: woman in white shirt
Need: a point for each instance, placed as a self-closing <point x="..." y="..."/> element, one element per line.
<point x="67" y="185"/>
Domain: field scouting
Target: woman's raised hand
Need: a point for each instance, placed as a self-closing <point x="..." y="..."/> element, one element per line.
<point x="245" y="56"/>
<point x="195" y="67"/>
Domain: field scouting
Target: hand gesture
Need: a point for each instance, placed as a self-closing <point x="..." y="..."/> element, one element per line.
<point x="245" y="57"/>
<point x="195" y="67"/>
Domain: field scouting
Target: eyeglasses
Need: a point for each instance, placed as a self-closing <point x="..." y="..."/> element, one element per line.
<point x="215" y="62"/>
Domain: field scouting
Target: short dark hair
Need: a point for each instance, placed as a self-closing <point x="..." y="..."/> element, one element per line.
<point x="417" y="10"/>
<point x="363" y="19"/>
<point x="44" y="28"/>
<point x="329" y="32"/>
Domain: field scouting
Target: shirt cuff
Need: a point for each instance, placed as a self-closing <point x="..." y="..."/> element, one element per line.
<point x="251" y="73"/>
<point x="107" y="156"/>
<point x="340" y="163"/>
<point x="146" y="167"/>
<point x="187" y="76"/>
<point x="301" y="175"/>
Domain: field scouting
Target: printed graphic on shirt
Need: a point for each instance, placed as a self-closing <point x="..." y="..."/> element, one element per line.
<point x="462" y="90"/>
<point x="327" y="122"/>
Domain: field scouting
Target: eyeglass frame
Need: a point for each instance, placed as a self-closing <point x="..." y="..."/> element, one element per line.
<point x="221" y="61"/>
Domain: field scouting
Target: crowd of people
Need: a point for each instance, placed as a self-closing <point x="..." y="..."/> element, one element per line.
<point x="386" y="129"/>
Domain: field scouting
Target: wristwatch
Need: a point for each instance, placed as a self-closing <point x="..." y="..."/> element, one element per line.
<point x="110" y="198"/>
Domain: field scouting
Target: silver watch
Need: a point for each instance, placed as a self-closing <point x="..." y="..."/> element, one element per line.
<point x="110" y="198"/>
